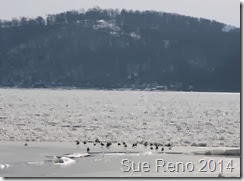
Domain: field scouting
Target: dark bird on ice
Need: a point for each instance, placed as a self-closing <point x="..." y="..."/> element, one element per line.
<point x="168" y="145"/>
<point x="84" y="142"/>
<point x="151" y="148"/>
<point x="102" y="144"/>
<point x="119" y="144"/>
<point x="77" y="142"/>
<point x="108" y="144"/>
<point x="145" y="144"/>
<point x="25" y="144"/>
<point x="156" y="144"/>
<point x="162" y="149"/>
<point x="88" y="149"/>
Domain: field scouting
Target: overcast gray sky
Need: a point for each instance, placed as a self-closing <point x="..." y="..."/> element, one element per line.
<point x="226" y="11"/>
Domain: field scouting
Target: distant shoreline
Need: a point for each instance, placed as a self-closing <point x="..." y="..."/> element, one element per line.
<point x="117" y="89"/>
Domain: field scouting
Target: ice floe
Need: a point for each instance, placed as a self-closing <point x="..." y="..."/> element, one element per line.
<point x="3" y="166"/>
<point x="76" y="155"/>
<point x="63" y="161"/>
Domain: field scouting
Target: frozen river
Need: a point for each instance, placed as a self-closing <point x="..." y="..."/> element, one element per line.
<point x="183" y="118"/>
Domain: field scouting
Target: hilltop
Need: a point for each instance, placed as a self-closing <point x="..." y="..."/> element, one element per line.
<point x="102" y="48"/>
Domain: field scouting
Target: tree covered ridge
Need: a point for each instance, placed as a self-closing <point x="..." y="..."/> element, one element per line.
<point x="113" y="49"/>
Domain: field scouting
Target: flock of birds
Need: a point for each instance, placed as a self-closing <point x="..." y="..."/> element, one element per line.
<point x="156" y="146"/>
<point x="124" y="144"/>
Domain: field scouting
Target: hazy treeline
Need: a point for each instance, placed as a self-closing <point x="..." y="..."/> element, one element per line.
<point x="113" y="49"/>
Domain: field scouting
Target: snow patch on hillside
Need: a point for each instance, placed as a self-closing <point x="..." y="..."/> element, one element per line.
<point x="109" y="24"/>
<point x="228" y="28"/>
<point x="135" y="35"/>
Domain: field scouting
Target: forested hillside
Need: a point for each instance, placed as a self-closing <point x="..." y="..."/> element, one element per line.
<point x="120" y="49"/>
